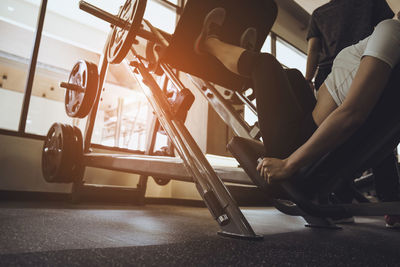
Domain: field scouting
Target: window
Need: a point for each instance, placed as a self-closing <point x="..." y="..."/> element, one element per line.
<point x="122" y="119"/>
<point x="290" y="56"/>
<point x="160" y="16"/>
<point x="17" y="25"/>
<point x="70" y="34"/>
<point x="267" y="45"/>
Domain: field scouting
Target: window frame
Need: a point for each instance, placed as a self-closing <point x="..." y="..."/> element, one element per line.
<point x="27" y="94"/>
<point x="21" y="132"/>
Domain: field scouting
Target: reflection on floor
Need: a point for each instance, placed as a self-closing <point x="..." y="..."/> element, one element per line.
<point x="63" y="234"/>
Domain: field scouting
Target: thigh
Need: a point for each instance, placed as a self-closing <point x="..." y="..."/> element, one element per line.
<point x="301" y="89"/>
<point x="279" y="112"/>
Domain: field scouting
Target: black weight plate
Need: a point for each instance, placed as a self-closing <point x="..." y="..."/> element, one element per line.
<point x="121" y="39"/>
<point x="79" y="103"/>
<point x="53" y="154"/>
<point x="162" y="152"/>
<point x="77" y="169"/>
<point x="68" y="162"/>
<point x="161" y="181"/>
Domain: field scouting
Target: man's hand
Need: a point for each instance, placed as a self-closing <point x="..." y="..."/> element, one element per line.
<point x="274" y="169"/>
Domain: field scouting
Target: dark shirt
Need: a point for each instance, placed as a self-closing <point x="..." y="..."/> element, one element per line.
<point x="341" y="23"/>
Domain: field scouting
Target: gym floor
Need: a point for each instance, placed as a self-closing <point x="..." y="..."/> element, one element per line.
<point x="61" y="234"/>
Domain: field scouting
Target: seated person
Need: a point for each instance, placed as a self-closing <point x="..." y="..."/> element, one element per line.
<point x="293" y="137"/>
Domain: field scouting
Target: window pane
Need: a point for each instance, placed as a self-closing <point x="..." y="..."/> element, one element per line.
<point x="69" y="35"/>
<point x="160" y="16"/>
<point x="17" y="23"/>
<point x="122" y="119"/>
<point x="10" y="109"/>
<point x="290" y="56"/>
<point x="267" y="45"/>
<point x="59" y="51"/>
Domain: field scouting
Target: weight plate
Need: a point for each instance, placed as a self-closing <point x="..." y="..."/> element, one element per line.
<point x="79" y="103"/>
<point x="77" y="170"/>
<point x="53" y="154"/>
<point x="161" y="181"/>
<point x="122" y="39"/>
<point x="62" y="153"/>
<point x="162" y="152"/>
<point x="69" y="159"/>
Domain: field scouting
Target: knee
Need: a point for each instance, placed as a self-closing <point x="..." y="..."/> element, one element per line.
<point x="267" y="62"/>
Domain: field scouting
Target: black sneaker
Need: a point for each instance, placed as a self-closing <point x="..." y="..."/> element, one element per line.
<point x="392" y="221"/>
<point x="248" y="39"/>
<point x="211" y="28"/>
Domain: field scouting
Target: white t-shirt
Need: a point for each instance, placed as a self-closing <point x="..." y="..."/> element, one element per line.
<point x="384" y="43"/>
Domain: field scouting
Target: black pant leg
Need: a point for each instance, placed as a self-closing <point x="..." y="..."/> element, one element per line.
<point x="387" y="179"/>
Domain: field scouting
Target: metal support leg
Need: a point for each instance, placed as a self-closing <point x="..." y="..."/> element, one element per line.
<point x="150" y="143"/>
<point x="92" y="115"/>
<point x="218" y="199"/>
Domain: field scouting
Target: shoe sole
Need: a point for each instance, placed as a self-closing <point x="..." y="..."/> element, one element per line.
<point x="393" y="226"/>
<point x="248" y="39"/>
<point x="216" y="16"/>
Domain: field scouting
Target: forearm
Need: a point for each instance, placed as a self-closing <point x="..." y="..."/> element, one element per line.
<point x="364" y="92"/>
<point x="333" y="131"/>
<point x="311" y="68"/>
<point x="314" y="48"/>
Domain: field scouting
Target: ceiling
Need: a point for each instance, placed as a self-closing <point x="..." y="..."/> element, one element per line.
<point x="311" y="5"/>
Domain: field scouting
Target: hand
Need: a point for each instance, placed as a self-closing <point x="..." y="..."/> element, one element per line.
<point x="274" y="169"/>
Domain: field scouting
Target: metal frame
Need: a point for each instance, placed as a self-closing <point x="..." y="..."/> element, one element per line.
<point x="193" y="165"/>
<point x="206" y="180"/>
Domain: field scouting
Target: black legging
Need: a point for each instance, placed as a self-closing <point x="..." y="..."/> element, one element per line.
<point x="284" y="115"/>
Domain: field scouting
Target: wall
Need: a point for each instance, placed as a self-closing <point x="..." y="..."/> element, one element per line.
<point x="291" y="29"/>
<point x="20" y="170"/>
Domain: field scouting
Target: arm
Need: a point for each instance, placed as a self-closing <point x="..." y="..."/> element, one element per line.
<point x="314" y="49"/>
<point x="364" y="92"/>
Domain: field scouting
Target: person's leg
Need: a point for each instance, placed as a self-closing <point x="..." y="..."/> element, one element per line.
<point x="280" y="115"/>
<point x="387" y="179"/>
<point x="226" y="53"/>
<point x="387" y="185"/>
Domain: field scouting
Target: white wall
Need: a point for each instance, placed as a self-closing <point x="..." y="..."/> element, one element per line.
<point x="20" y="158"/>
<point x="290" y="29"/>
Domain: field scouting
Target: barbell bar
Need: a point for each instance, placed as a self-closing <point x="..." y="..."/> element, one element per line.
<point x="114" y="20"/>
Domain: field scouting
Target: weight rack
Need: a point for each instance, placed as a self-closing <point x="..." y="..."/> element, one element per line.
<point x="192" y="166"/>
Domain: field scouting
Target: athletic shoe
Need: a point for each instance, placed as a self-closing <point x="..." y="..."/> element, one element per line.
<point x="248" y="39"/>
<point x="392" y="221"/>
<point x="211" y="28"/>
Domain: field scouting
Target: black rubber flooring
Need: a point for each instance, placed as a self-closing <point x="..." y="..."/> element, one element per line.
<point x="56" y="234"/>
